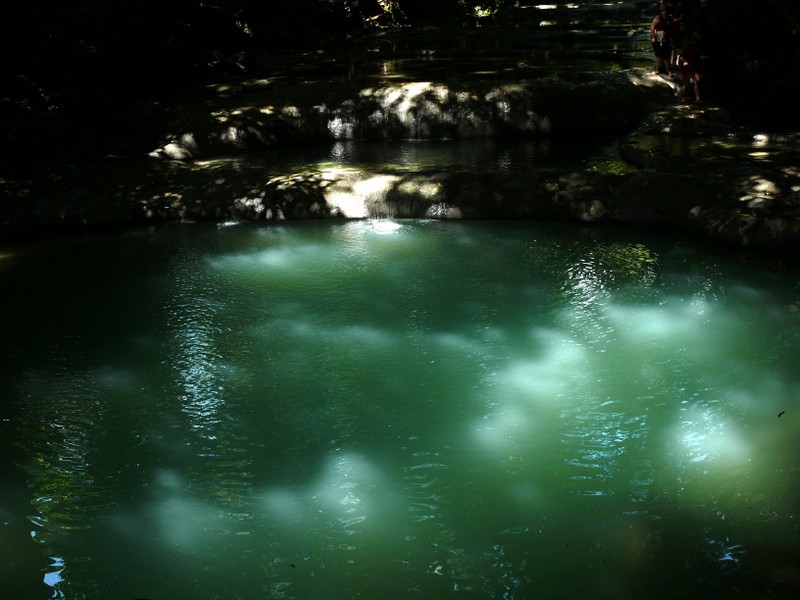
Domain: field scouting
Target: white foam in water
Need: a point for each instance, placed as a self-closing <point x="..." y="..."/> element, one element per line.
<point x="385" y="227"/>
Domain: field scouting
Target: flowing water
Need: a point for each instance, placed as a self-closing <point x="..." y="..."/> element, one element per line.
<point x="377" y="409"/>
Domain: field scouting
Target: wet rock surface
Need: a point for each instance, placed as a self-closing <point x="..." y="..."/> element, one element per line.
<point x="660" y="161"/>
<point x="275" y="116"/>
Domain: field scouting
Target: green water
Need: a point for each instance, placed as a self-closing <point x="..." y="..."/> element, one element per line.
<point x="333" y="410"/>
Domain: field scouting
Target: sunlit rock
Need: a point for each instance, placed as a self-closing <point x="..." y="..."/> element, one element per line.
<point x="420" y="110"/>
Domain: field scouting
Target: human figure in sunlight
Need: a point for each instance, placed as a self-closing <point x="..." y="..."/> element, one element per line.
<point x="660" y="30"/>
<point x="689" y="65"/>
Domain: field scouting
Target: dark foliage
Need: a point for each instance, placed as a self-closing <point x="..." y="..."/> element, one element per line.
<point x="754" y="50"/>
<point x="68" y="68"/>
<point x="73" y="63"/>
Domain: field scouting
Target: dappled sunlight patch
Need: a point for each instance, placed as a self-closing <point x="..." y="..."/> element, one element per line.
<point x="714" y="456"/>
<point x="523" y="387"/>
<point x="405" y="93"/>
<point x="348" y="204"/>
<point x="528" y="494"/>
<point x="362" y="342"/>
<point x="363" y="337"/>
<point x="443" y="210"/>
<point x="294" y="258"/>
<point x="504" y="428"/>
<point x="745" y="401"/>
<point x="708" y="438"/>
<point x="376" y="185"/>
<point x="454" y="342"/>
<point x="423" y="188"/>
<point x="351" y="490"/>
<point x="350" y="496"/>
<point x="183" y="522"/>
<point x="539" y="381"/>
<point x="117" y="379"/>
<point x="418" y="107"/>
<point x="228" y="224"/>
<point x="184" y="148"/>
<point x="298" y="178"/>
<point x="342" y="128"/>
<point x="756" y="190"/>
<point x="752" y="396"/>
<point x="413" y="110"/>
<point x="213" y="164"/>
<point x="229" y="89"/>
<point x="551" y="375"/>
<point x="512" y="105"/>
<point x="385" y="227"/>
<point x="283" y="507"/>
<point x="352" y="196"/>
<point x="356" y="237"/>
<point x="238" y="137"/>
<point x="675" y="323"/>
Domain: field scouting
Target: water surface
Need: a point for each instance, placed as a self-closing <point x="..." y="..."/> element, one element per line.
<point x="396" y="410"/>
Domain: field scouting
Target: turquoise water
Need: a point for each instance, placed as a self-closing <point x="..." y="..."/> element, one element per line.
<point x="424" y="410"/>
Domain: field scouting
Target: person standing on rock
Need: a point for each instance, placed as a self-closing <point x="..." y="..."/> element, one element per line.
<point x="660" y="30"/>
<point x="689" y="65"/>
<point x="675" y="32"/>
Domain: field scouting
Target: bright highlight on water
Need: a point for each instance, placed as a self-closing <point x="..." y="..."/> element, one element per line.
<point x="384" y="409"/>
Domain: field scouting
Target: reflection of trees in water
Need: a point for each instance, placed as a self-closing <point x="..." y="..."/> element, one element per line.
<point x="611" y="267"/>
<point x="64" y="429"/>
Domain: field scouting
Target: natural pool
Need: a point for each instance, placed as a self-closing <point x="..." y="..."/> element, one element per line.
<point x="396" y="410"/>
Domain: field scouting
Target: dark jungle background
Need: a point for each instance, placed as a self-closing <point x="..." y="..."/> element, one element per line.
<point x="72" y="71"/>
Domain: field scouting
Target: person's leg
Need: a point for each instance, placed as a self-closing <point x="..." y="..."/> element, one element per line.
<point x="657" y="54"/>
<point x="682" y="99"/>
<point x="666" y="57"/>
<point x="696" y="82"/>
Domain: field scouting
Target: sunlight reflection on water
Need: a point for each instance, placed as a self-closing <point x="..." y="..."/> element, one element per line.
<point x="475" y="408"/>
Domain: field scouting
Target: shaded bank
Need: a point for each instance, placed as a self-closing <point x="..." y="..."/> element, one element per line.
<point x="552" y="72"/>
<point x="681" y="167"/>
<point x="75" y="74"/>
<point x="275" y="115"/>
